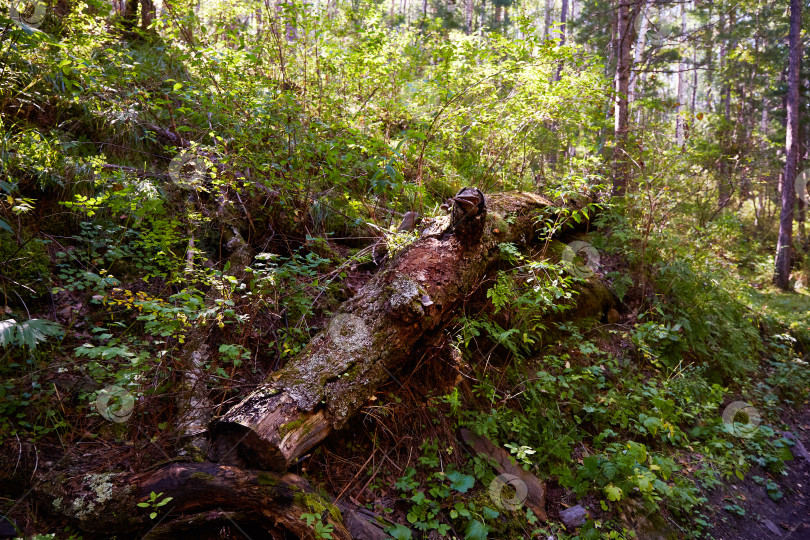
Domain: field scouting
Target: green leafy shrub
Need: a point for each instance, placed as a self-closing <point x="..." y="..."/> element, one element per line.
<point x="25" y="268"/>
<point x="709" y="321"/>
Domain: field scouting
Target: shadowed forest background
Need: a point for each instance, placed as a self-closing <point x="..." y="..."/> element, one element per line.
<point x="245" y="294"/>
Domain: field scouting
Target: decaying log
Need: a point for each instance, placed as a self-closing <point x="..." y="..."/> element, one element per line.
<point x="193" y="401"/>
<point x="532" y="492"/>
<point x="340" y="368"/>
<point x="202" y="494"/>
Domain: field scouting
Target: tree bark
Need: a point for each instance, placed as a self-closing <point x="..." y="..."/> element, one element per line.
<point x="781" y="276"/>
<point x="693" y="100"/>
<point x="147" y="13"/>
<point x="563" y="21"/>
<point x="679" y="111"/>
<point x="203" y="495"/>
<point x="724" y="183"/>
<point x="621" y="165"/>
<point x="638" y="50"/>
<point x="709" y="60"/>
<point x="372" y="333"/>
<point x="129" y="15"/>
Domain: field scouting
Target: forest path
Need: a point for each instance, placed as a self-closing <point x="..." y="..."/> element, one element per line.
<point x="764" y="518"/>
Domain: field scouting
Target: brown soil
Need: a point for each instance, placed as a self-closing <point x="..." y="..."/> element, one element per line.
<point x="788" y="518"/>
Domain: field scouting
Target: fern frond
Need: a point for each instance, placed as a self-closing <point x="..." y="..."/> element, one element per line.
<point x="29" y="333"/>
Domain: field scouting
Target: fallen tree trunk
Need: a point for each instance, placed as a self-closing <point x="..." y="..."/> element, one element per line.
<point x="340" y="368"/>
<point x="202" y="495"/>
<point x="529" y="490"/>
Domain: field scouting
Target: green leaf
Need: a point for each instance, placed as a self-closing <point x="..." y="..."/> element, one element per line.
<point x="399" y="532"/>
<point x="476" y="530"/>
<point x="651" y="423"/>
<point x="489" y="513"/>
<point x="460" y="482"/>
<point x="610" y="470"/>
<point x="613" y="493"/>
<point x="591" y="465"/>
<point x="28" y="334"/>
<point x="8" y="330"/>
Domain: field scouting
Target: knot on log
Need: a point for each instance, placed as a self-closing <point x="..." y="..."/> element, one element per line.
<point x="468" y="214"/>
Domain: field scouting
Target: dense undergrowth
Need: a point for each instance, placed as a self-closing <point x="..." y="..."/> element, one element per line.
<point x="113" y="253"/>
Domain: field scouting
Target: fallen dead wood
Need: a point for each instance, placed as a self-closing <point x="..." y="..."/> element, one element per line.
<point x="370" y="335"/>
<point x="202" y="494"/>
<point x="529" y="490"/>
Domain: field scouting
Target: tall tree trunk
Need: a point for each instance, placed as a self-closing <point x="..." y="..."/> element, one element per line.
<point x="693" y="101"/>
<point x="147" y="13"/>
<point x="679" y="111"/>
<point x="801" y="235"/>
<point x="638" y="51"/>
<point x="724" y="169"/>
<point x="563" y="17"/>
<point x="621" y="164"/>
<point x="784" y="245"/>
<point x="129" y="17"/>
<point x="732" y="20"/>
<point x="709" y="61"/>
<point x="801" y="185"/>
<point x="759" y="213"/>
<point x="548" y="18"/>
<point x="469" y="6"/>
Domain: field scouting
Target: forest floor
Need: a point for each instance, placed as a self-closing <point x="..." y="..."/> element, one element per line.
<point x="409" y="420"/>
<point x="404" y="416"/>
<point x="788" y="518"/>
